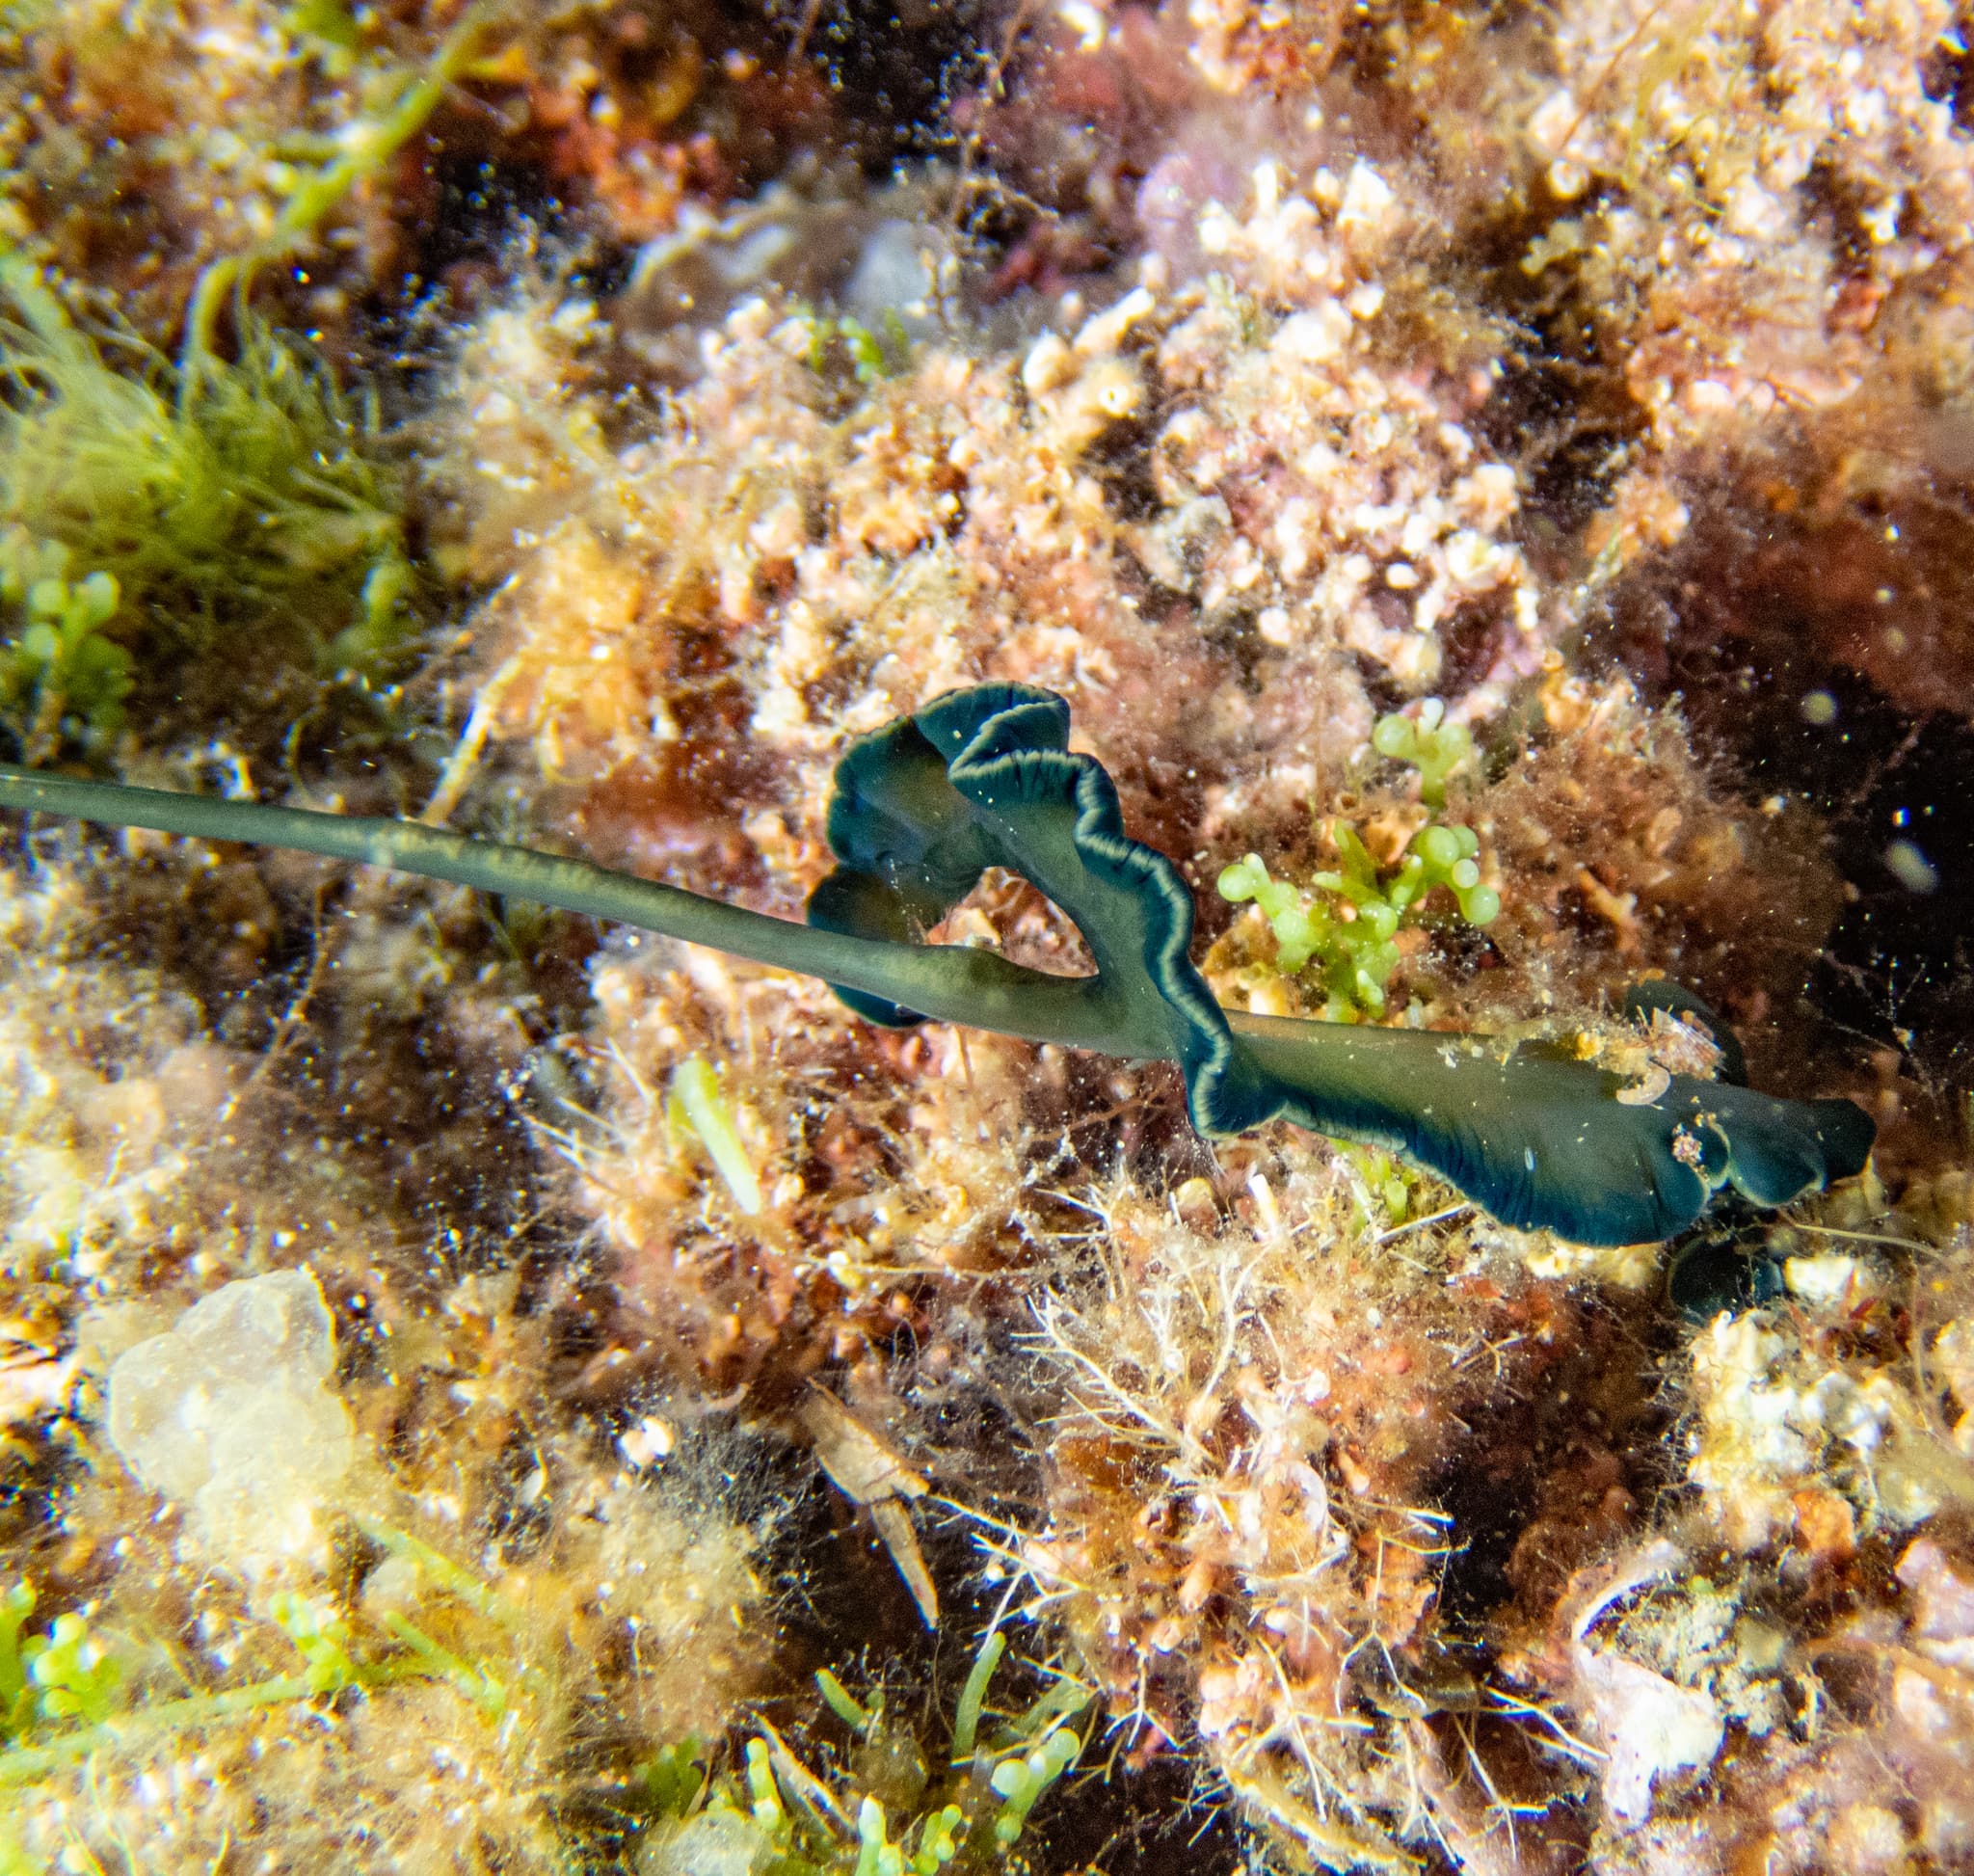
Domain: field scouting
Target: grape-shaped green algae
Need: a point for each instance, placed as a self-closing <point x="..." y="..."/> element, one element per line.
<point x="1356" y="948"/>
<point x="1358" y="951"/>
<point x="1017" y="1783"/>
<point x="1434" y="747"/>
<point x="1440" y="856"/>
<point x="16" y="1706"/>
<point x="321" y="1637"/>
<point x="59" y="667"/>
<point x="75" y="1676"/>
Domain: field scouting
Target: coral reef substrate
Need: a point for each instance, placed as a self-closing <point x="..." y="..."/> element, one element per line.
<point x="463" y="1374"/>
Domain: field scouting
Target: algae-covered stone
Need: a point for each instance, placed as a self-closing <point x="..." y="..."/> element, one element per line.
<point x="713" y="1843"/>
<point x="230" y="1415"/>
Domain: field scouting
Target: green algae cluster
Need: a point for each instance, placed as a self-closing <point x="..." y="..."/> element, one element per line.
<point x="62" y="679"/>
<point x="889" y="1813"/>
<point x="232" y="504"/>
<point x="152" y="511"/>
<point x="1350" y="933"/>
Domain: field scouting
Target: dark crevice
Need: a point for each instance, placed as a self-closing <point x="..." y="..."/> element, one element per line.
<point x="477" y="200"/>
<point x="893" y="67"/>
<point x="1751" y="659"/>
<point x="1565" y="420"/>
<point x="1121" y="460"/>
<point x="845" y="1608"/>
<point x="1551" y="1476"/>
<point x="1947" y="77"/>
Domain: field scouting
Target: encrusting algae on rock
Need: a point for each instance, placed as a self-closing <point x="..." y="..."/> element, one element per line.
<point x="964" y="519"/>
<point x="230" y="1413"/>
<point x="1254" y="376"/>
<point x="1799" y="1604"/>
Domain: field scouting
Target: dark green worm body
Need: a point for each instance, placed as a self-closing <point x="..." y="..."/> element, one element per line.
<point x="984" y="777"/>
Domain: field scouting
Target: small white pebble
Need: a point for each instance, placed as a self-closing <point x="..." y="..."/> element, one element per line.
<point x="1049" y="364"/>
<point x="1370" y="207"/>
<point x="1102" y="332"/>
<point x="1827" y="1280"/>
<point x="1310" y="338"/>
<point x="1567" y="180"/>
<point x="649" y="1440"/>
<point x="1086" y="22"/>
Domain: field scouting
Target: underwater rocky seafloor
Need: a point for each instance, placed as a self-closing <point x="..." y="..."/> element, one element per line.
<point x="487" y="1392"/>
